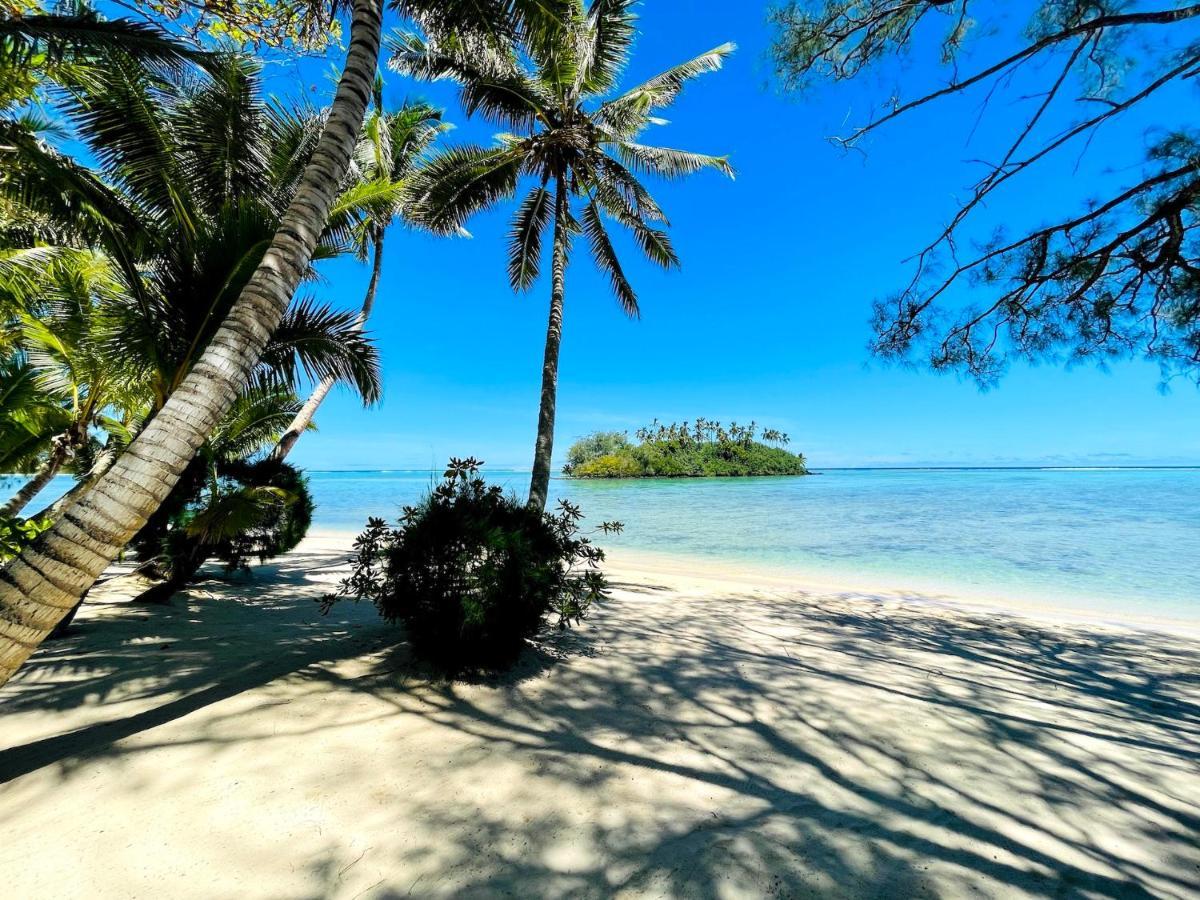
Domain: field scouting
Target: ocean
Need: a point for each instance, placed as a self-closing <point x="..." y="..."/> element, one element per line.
<point x="1106" y="540"/>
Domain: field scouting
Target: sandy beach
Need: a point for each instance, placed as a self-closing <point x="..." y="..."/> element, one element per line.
<point x="704" y="734"/>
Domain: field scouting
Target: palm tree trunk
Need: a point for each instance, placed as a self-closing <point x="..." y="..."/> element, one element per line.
<point x="54" y="510"/>
<point x="60" y="452"/>
<point x="539" y="485"/>
<point x="39" y="587"/>
<point x="321" y="391"/>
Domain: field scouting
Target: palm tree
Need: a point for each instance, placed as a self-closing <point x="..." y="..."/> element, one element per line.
<point x="230" y="163"/>
<point x="206" y="229"/>
<point x="29" y="419"/>
<point x="390" y="147"/>
<point x="65" y="348"/>
<point x="554" y="86"/>
<point x="41" y="585"/>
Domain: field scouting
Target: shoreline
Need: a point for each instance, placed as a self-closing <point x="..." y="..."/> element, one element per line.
<point x="706" y="573"/>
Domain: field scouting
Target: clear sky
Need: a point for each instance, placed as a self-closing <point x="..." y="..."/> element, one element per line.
<point x="768" y="317"/>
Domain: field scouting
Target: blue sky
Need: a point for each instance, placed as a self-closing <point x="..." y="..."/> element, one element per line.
<point x="768" y="317"/>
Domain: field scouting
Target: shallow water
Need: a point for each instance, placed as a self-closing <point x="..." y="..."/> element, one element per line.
<point x="1115" y="540"/>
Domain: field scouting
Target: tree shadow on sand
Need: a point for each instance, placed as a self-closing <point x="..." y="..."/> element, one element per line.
<point x="759" y="745"/>
<point x="164" y="662"/>
<point x="1026" y="761"/>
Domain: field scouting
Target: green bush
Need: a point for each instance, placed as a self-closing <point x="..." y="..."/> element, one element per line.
<point x="280" y="512"/>
<point x="595" y="446"/>
<point x="16" y="534"/>
<point x="611" y="465"/>
<point x="474" y="573"/>
<point x="239" y="512"/>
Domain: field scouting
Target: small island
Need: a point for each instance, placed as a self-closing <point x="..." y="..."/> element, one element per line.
<point x="703" y="449"/>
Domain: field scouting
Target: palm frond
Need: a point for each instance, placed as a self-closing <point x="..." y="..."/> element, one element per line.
<point x="498" y="21"/>
<point x="29" y="417"/>
<point x="120" y="114"/>
<point x="630" y="112"/>
<point x="558" y="53"/>
<point x="323" y="343"/>
<point x="490" y="83"/>
<point x="606" y="258"/>
<point x="226" y="516"/>
<point x="61" y="200"/>
<point x="458" y="182"/>
<point x="259" y="415"/>
<point x="623" y="194"/>
<point x="525" y="238"/>
<point x="375" y="200"/>
<point x="219" y="126"/>
<point x="81" y="34"/>
<point x="411" y="131"/>
<point x="606" y="40"/>
<point x="291" y="134"/>
<point x="669" y="163"/>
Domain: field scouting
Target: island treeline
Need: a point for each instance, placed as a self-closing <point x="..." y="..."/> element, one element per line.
<point x="700" y="449"/>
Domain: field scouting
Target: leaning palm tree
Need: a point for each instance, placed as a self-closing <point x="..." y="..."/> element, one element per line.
<point x="389" y="149"/>
<point x="41" y="585"/>
<point x="575" y="138"/>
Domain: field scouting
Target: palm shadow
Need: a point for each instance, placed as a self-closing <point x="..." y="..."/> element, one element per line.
<point x="697" y="746"/>
<point x="208" y="644"/>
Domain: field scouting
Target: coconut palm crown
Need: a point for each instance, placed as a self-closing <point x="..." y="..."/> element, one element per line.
<point x="572" y="134"/>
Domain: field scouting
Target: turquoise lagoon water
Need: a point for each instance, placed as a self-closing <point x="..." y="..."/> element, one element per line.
<point x="1111" y="540"/>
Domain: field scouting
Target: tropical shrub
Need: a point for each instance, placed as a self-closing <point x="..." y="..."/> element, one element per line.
<point x="473" y="573"/>
<point x="264" y="511"/>
<point x="703" y="449"/>
<point x="230" y="504"/>
<point x="253" y="510"/>
<point x="17" y="533"/>
<point x="594" y="446"/>
<point x="610" y="465"/>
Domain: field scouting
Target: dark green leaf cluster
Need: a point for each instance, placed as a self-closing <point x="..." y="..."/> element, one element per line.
<point x="230" y="504"/>
<point x="251" y="510"/>
<point x="473" y="573"/>
<point x="700" y="449"/>
<point x="16" y="534"/>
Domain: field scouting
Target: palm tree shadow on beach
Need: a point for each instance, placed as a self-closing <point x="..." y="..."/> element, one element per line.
<point x="1042" y="804"/>
<point x="209" y="643"/>
<point x="687" y="746"/>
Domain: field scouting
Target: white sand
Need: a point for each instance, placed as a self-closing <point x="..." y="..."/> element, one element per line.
<point x="701" y="736"/>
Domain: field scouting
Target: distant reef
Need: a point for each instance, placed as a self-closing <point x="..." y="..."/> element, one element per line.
<point x="702" y="449"/>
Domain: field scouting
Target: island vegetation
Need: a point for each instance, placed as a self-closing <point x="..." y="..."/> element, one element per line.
<point x="700" y="449"/>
